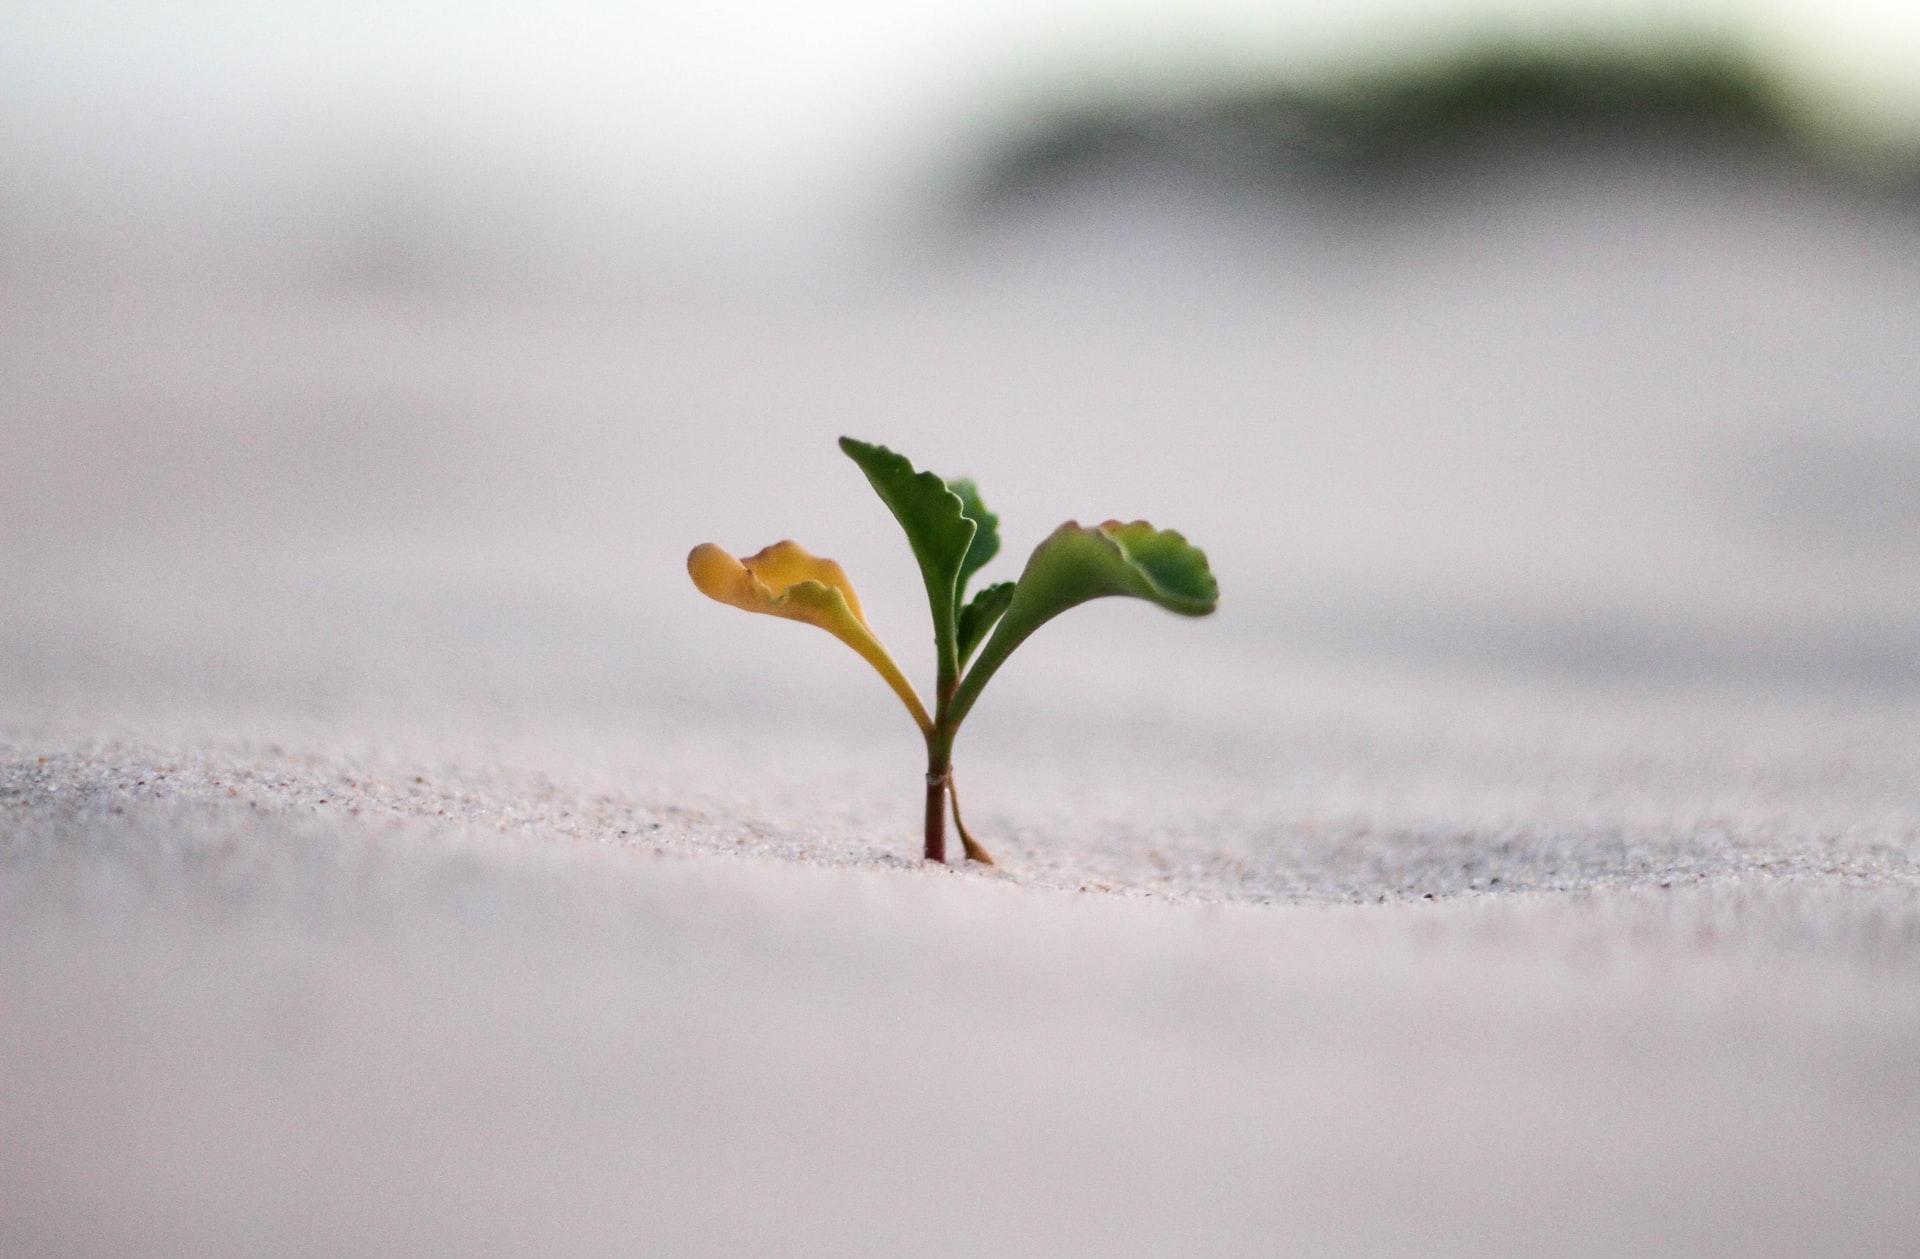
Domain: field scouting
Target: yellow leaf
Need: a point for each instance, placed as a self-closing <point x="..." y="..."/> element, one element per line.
<point x="784" y="580"/>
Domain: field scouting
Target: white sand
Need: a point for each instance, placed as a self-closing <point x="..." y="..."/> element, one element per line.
<point x="399" y="858"/>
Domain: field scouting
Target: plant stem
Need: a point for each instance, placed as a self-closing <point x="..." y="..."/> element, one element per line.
<point x="967" y="842"/>
<point x="940" y="752"/>
<point x="936" y="811"/>
<point x="940" y="734"/>
<point x="939" y="766"/>
<point x="955" y="705"/>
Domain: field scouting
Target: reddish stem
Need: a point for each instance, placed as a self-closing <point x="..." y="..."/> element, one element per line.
<point x="937" y="812"/>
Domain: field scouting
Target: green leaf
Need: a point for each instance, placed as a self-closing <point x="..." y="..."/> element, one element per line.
<point x="980" y="614"/>
<point x="1077" y="563"/>
<point x="986" y="535"/>
<point x="937" y="527"/>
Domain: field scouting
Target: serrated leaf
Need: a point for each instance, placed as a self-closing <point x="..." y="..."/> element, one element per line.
<point x="1077" y="563"/>
<point x="986" y="535"/>
<point x="784" y="580"/>
<point x="980" y="614"/>
<point x="937" y="528"/>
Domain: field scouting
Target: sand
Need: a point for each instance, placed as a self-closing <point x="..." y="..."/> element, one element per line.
<point x="397" y="857"/>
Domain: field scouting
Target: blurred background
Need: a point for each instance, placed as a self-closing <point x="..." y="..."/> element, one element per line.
<point x="352" y="348"/>
<point x="1542" y="379"/>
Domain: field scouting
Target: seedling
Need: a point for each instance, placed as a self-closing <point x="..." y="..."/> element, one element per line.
<point x="953" y="535"/>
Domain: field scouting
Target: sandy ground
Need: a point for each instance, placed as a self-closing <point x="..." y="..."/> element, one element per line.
<point x="397" y="857"/>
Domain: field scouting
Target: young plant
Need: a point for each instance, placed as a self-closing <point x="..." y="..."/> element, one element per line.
<point x="953" y="535"/>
